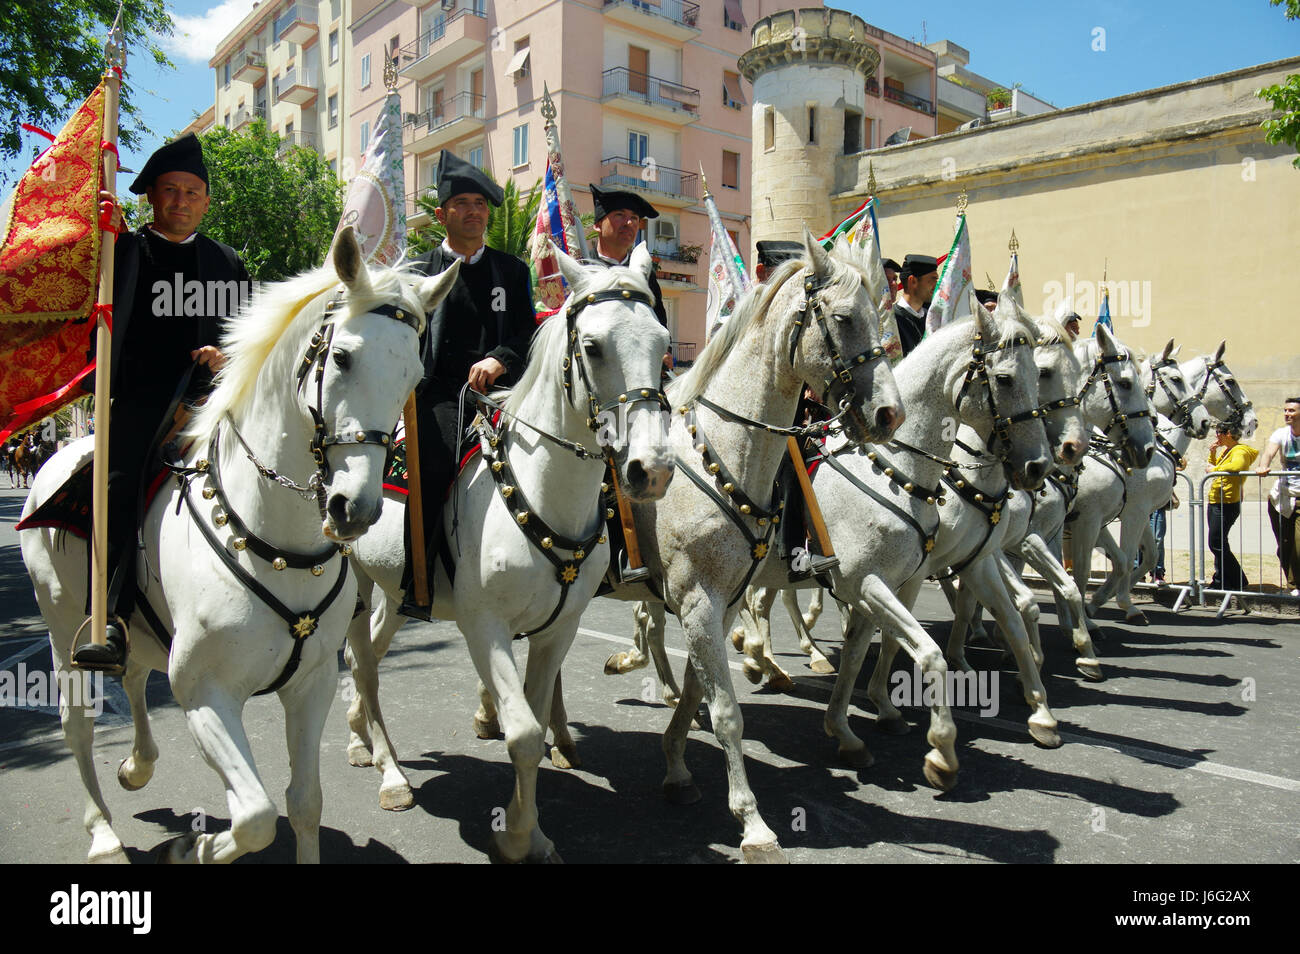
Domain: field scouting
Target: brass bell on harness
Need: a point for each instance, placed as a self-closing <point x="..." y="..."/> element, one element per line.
<point x="346" y="549"/>
<point x="547" y="543"/>
<point x="220" y="519"/>
<point x="744" y="508"/>
<point x="522" y="518"/>
<point x="579" y="554"/>
<point x="496" y="466"/>
<point x="506" y="491"/>
<point x="713" y="468"/>
<point x="609" y="513"/>
<point x="601" y="538"/>
<point x="728" y="488"/>
<point x="279" y="563"/>
<point x="317" y="570"/>
<point x="239" y="543"/>
<point x="209" y="493"/>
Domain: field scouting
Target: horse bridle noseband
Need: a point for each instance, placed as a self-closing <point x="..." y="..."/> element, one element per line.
<point x="1239" y="409"/>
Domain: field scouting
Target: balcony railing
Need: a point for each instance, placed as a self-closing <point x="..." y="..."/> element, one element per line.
<point x="460" y="106"/>
<point x="298" y="13"/>
<point x="665" y="180"/>
<point x="304" y="140"/>
<point x="679" y="11"/>
<point x="675" y="255"/>
<point x="246" y="114"/>
<point x="295" y="77"/>
<point x="621" y="81"/>
<point x="419" y="48"/>
<point x="873" y="86"/>
<point x="920" y="104"/>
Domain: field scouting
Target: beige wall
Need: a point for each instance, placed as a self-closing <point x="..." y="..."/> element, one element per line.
<point x="1175" y="188"/>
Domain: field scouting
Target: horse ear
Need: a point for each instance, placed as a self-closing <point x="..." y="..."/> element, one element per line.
<point x="641" y="261"/>
<point x="985" y="324"/>
<point x="1174" y="353"/>
<point x="1108" y="342"/>
<point x="349" y="265"/>
<point x="1168" y="352"/>
<point x="1223" y="346"/>
<point x="820" y="258"/>
<point x="434" y="289"/>
<point x="570" y="268"/>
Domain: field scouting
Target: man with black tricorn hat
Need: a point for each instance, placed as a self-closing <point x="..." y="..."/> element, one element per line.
<point x="159" y="335"/>
<point x="619" y="217"/>
<point x="479" y="334"/>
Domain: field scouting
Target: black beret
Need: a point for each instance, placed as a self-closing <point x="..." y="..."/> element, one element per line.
<point x="182" y="155"/>
<point x="456" y="176"/>
<point x="607" y="200"/>
<point x="918" y="265"/>
<point x="772" y="254"/>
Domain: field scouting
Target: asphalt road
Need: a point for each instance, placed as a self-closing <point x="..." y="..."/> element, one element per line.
<point x="1187" y="752"/>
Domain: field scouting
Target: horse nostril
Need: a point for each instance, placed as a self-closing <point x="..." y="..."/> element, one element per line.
<point x="888" y="419"/>
<point x="338" y="509"/>
<point x="637" y="478"/>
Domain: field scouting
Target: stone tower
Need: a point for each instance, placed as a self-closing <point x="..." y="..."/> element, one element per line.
<point x="809" y="69"/>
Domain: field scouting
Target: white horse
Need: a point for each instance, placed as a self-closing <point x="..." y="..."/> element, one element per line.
<point x="1110" y="402"/>
<point x="531" y="548"/>
<point x="1139" y="490"/>
<point x="303" y="371"/>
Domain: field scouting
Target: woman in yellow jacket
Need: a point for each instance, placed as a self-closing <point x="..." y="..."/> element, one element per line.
<point x="1225" y="504"/>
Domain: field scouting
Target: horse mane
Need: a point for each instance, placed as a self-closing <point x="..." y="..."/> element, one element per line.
<point x="269" y="334"/>
<point x="1051" y="331"/>
<point x="546" y="353"/>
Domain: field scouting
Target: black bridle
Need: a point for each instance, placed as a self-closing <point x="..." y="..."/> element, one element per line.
<point x="1182" y="414"/>
<point x="841" y="379"/>
<point x="1239" y="408"/>
<point x="977" y="369"/>
<point x="1118" y="418"/>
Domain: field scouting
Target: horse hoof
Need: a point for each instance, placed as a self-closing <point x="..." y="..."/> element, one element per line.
<point x="938" y="774"/>
<point x="681" y="793"/>
<point x="857" y="758"/>
<point x="894" y="726"/>
<point x="769" y="854"/>
<point x="124" y="780"/>
<point x="174" y="851"/>
<point x="487" y="728"/>
<point x="738" y="640"/>
<point x="107" y="850"/>
<point x="1090" y="669"/>
<point x="780" y="682"/>
<point x="396" y="799"/>
<point x="822" y="667"/>
<point x="1046" y="736"/>
<point x="620" y="663"/>
<point x="753" y="671"/>
<point x="1136" y="619"/>
<point x="359" y="754"/>
<point x="565" y="757"/>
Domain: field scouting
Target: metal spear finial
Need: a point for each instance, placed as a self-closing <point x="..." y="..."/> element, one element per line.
<point x="962" y="200"/>
<point x="993" y="286"/>
<point x="390" y="73"/>
<point x="704" y="181"/>
<point x="1014" y="245"/>
<point x="115" y="44"/>
<point x="871" y="178"/>
<point x="548" y="106"/>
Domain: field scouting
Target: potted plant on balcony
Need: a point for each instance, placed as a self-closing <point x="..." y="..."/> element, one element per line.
<point x="689" y="253"/>
<point x="999" y="98"/>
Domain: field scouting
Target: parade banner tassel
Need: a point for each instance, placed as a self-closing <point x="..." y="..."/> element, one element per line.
<point x="49" y="272"/>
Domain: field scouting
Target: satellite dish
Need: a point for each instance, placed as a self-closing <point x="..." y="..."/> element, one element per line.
<point x="901" y="135"/>
<point x="975" y="123"/>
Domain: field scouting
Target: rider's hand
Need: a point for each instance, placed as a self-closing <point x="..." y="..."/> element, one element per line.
<point x="484" y="374"/>
<point x="210" y="356"/>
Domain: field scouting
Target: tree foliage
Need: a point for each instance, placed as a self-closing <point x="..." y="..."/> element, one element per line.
<point x="52" y="56"/>
<point x="1284" y="129"/>
<point x="275" y="203"/>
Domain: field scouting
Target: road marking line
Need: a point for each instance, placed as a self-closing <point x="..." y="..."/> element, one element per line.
<point x="1133" y="751"/>
<point x="34" y="647"/>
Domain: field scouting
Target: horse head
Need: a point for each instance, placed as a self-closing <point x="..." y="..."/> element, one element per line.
<point x="613" y="351"/>
<point x="1058" y="382"/>
<point x="1111" y="396"/>
<point x="1171" y="393"/>
<point x="366" y="363"/>
<point x="998" y="393"/>
<point x="1220" y="391"/>
<point x="833" y="339"/>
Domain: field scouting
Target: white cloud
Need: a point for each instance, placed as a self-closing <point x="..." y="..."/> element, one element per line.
<point x="196" y="37"/>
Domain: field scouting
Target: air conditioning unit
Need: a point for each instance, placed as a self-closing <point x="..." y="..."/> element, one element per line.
<point x="975" y="123"/>
<point x="665" y="231"/>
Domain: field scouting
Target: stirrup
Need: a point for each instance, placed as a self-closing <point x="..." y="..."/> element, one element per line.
<point x="627" y="574"/>
<point x="110" y="667"/>
<point x="414" y="610"/>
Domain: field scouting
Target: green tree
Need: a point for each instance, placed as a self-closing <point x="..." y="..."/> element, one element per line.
<point x="275" y="203"/>
<point x="1285" y="97"/>
<point x="52" y="56"/>
<point x="510" y="225"/>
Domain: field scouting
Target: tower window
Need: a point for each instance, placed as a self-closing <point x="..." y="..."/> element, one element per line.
<point x="812" y="125"/>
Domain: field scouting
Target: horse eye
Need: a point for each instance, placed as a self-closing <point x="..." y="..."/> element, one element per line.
<point x="1005" y="380"/>
<point x="1126" y="385"/>
<point x="592" y="347"/>
<point x="342" y="360"/>
<point x="838" y="317"/>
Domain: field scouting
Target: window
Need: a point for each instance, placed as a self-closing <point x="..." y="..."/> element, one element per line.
<point x="475" y="157"/>
<point x="812" y="125"/>
<point x="519" y="66"/>
<point x="637" y="147"/>
<point x="731" y="94"/>
<point x="520" y="154"/>
<point x="225" y="73"/>
<point x="334" y="166"/>
<point x="334" y="46"/>
<point x="335" y="6"/>
<point x="334" y="110"/>
<point x="730" y="170"/>
<point x="769" y="127"/>
<point x="275" y="88"/>
<point x="226" y="122"/>
<point x="733" y="17"/>
<point x="394" y="45"/>
<point x="365" y="136"/>
<point x="638" y="70"/>
<point x="852" y="132"/>
<point x="365" y="71"/>
<point x="476" y="93"/>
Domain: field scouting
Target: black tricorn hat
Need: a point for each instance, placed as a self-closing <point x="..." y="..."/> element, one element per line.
<point x="181" y="155"/>
<point x="918" y="265"/>
<point x="607" y="200"/>
<point x="985" y="296"/>
<point x="456" y="176"/>
<point x="772" y="254"/>
<point x="892" y="265"/>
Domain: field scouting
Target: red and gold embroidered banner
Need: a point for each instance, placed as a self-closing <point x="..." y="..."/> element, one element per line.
<point x="49" y="271"/>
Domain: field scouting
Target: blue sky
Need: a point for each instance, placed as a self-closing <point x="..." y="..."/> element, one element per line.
<point x="1046" y="46"/>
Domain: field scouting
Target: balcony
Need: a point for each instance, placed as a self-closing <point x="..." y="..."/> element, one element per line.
<point x="250" y="68"/>
<point x="873" y="86"/>
<point x="301" y="140"/>
<point x="416" y="217"/>
<point x="298" y="86"/>
<point x="434" y="128"/>
<point x="453" y="36"/>
<point x="659" y="185"/>
<point x="297" y="25"/>
<point x="650" y="95"/>
<point x="909" y="100"/>
<point x="245" y="115"/>
<point x="676" y="19"/>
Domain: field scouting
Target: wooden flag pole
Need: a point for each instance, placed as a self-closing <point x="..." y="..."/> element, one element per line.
<point x="116" y="54"/>
<point x="415" y="505"/>
<point x="816" y="522"/>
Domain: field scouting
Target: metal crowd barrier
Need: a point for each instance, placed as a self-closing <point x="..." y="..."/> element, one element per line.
<point x="1250" y="539"/>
